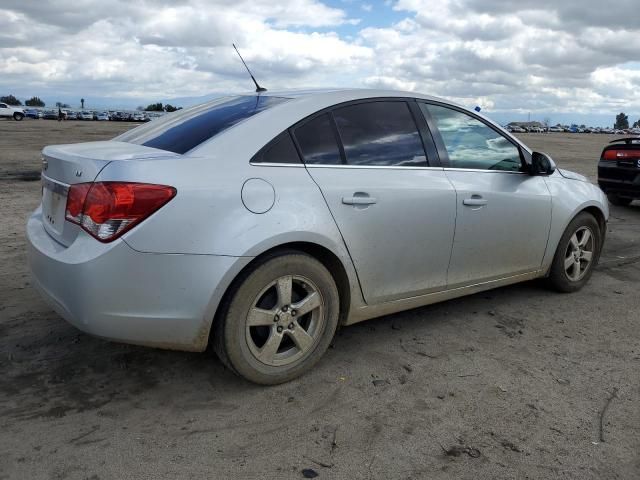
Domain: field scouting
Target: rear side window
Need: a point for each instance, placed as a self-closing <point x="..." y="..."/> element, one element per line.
<point x="184" y="130"/>
<point x="473" y="144"/>
<point x="317" y="141"/>
<point x="380" y="134"/>
<point x="280" y="150"/>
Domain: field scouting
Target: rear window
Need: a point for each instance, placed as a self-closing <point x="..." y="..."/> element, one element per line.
<point x="184" y="130"/>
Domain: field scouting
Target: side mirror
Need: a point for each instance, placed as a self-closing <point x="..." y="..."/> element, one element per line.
<point x="541" y="164"/>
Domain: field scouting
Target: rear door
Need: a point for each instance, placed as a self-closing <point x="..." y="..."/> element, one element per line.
<point x="392" y="202"/>
<point x="503" y="213"/>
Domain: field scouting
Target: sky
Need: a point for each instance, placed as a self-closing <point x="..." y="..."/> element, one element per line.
<point x="562" y="60"/>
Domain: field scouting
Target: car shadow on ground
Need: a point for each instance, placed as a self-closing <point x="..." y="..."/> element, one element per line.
<point x="53" y="369"/>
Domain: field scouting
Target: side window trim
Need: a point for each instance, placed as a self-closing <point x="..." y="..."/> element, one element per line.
<point x="336" y="134"/>
<point x="442" y="149"/>
<point x="428" y="142"/>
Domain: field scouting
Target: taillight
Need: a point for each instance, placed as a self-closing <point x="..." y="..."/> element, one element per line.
<point x="106" y="210"/>
<point x="622" y="155"/>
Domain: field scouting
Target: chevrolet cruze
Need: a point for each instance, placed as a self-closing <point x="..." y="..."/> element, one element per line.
<point x="261" y="222"/>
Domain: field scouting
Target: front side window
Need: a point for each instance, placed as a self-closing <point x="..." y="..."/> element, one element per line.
<point x="381" y="133"/>
<point x="317" y="142"/>
<point x="184" y="130"/>
<point x="472" y="144"/>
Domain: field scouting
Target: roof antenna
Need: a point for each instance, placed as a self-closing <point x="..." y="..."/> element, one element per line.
<point x="258" y="87"/>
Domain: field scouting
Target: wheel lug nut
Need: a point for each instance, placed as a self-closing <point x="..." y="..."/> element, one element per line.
<point x="293" y="313"/>
<point x="290" y="327"/>
<point x="276" y="318"/>
<point x="285" y="308"/>
<point x="279" y="329"/>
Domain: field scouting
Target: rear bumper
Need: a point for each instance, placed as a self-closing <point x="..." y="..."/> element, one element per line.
<point x="115" y="292"/>
<point x="619" y="180"/>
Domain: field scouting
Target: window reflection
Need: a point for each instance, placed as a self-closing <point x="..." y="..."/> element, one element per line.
<point x="472" y="144"/>
<point x="380" y="134"/>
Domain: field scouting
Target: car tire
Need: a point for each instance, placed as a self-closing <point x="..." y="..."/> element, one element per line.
<point x="278" y="319"/>
<point x="576" y="255"/>
<point x="18" y="116"/>
<point x="618" y="201"/>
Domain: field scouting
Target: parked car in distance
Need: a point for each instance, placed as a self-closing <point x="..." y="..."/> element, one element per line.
<point x="50" y="115"/>
<point x="619" y="171"/>
<point x="102" y="116"/>
<point x="33" y="113"/>
<point x="556" y="129"/>
<point x="260" y="223"/>
<point x="84" y="115"/>
<point x="70" y="114"/>
<point x="516" y="129"/>
<point x="8" y="111"/>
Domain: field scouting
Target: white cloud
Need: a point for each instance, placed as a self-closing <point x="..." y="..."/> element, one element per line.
<point x="541" y="55"/>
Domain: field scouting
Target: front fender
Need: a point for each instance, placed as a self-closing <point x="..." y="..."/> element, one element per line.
<point x="569" y="198"/>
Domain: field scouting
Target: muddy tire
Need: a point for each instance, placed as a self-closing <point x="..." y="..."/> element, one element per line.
<point x="619" y="201"/>
<point x="18" y="116"/>
<point x="279" y="318"/>
<point x="577" y="254"/>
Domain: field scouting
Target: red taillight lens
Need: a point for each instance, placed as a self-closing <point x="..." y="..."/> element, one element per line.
<point x="622" y="155"/>
<point x="75" y="202"/>
<point x="108" y="209"/>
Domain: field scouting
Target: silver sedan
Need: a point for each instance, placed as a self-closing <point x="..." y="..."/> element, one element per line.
<point x="261" y="222"/>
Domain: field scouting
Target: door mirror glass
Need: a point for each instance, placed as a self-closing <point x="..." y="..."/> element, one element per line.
<point x="542" y="164"/>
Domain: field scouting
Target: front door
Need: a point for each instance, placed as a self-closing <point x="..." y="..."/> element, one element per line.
<point x="503" y="215"/>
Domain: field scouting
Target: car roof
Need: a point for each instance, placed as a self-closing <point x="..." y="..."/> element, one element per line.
<point x="344" y="94"/>
<point x="265" y="125"/>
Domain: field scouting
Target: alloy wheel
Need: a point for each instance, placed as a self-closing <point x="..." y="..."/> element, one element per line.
<point x="286" y="321"/>
<point x="579" y="254"/>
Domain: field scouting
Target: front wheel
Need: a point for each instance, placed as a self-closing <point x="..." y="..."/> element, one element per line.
<point x="577" y="254"/>
<point x="279" y="319"/>
<point x="18" y="116"/>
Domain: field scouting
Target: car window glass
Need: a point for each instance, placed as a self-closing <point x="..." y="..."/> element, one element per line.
<point x="280" y="150"/>
<point x="184" y="130"/>
<point x="317" y="141"/>
<point x="2" y="105"/>
<point x="380" y="134"/>
<point x="472" y="144"/>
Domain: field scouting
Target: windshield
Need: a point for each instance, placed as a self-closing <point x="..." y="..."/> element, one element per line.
<point x="184" y="130"/>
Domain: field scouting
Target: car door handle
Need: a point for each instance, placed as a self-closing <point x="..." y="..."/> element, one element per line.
<point x="474" y="201"/>
<point x="359" y="200"/>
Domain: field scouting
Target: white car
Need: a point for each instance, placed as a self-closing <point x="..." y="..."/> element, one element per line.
<point x="85" y="116"/>
<point x="102" y="116"/>
<point x="8" y="111"/>
<point x="262" y="222"/>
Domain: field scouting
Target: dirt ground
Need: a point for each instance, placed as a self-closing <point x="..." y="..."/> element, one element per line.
<point x="511" y="383"/>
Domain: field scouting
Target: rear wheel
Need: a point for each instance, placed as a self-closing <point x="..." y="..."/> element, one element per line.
<point x="18" y="116"/>
<point x="577" y="254"/>
<point x="279" y="320"/>
<point x="619" y="201"/>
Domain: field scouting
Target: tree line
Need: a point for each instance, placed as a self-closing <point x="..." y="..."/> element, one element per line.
<point x="37" y="102"/>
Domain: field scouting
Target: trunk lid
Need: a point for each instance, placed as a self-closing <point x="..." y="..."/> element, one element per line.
<point x="66" y="165"/>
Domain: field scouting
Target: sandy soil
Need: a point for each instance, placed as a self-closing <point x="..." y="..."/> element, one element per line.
<point x="511" y="383"/>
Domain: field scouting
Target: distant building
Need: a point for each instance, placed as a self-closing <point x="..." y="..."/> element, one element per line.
<point x="526" y="125"/>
